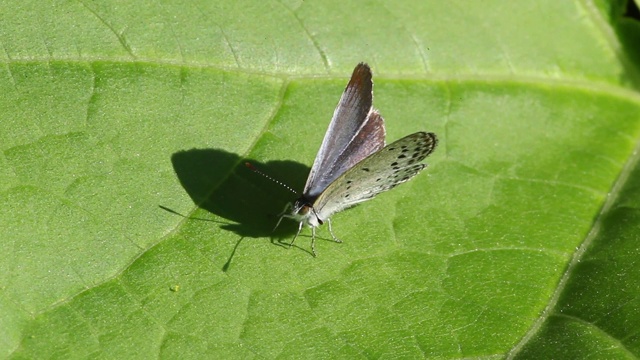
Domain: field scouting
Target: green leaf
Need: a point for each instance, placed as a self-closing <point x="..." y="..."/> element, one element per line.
<point x="132" y="229"/>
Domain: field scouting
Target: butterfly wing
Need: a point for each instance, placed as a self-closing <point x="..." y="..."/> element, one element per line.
<point x="381" y="171"/>
<point x="366" y="141"/>
<point x="355" y="132"/>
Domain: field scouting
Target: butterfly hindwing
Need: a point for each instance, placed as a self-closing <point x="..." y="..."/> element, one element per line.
<point x="381" y="171"/>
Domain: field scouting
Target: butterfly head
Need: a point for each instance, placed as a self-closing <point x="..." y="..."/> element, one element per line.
<point x="303" y="211"/>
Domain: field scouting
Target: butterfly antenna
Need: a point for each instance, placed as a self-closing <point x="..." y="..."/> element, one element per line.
<point x="253" y="168"/>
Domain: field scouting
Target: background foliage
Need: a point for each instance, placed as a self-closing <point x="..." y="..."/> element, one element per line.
<point x="520" y="240"/>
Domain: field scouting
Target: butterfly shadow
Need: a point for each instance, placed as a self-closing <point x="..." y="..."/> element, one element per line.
<point x="219" y="182"/>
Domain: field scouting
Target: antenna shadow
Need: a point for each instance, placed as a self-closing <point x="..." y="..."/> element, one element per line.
<point x="219" y="182"/>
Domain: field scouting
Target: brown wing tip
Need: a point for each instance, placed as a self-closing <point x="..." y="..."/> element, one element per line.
<point x="362" y="66"/>
<point x="361" y="74"/>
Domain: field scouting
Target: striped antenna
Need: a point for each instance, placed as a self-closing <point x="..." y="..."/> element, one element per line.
<point x="253" y="168"/>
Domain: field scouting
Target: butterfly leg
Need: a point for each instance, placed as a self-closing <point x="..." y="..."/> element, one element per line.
<point x="331" y="232"/>
<point x="313" y="241"/>
<point x="298" y="233"/>
<point x="282" y="215"/>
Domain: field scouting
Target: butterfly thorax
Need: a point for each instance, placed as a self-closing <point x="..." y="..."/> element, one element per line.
<point x="303" y="211"/>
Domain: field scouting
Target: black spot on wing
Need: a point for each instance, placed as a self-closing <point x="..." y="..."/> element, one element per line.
<point x="395" y="179"/>
<point x="383" y="171"/>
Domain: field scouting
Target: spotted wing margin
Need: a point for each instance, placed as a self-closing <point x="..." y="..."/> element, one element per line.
<point x="355" y="132"/>
<point x="381" y="171"/>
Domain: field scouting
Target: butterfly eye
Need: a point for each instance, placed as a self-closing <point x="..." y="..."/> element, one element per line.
<point x="303" y="210"/>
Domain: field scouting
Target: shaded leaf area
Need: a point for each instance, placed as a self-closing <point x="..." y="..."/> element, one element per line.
<point x="133" y="229"/>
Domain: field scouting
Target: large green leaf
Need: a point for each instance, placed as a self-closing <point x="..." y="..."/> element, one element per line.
<point x="131" y="229"/>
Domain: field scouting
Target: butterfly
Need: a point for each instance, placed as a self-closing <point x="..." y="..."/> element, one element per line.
<point x="353" y="164"/>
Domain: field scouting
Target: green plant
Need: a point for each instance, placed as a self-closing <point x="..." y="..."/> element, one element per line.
<point x="519" y="240"/>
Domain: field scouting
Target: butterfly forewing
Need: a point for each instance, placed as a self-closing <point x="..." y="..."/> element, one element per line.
<point x="381" y="171"/>
<point x="369" y="139"/>
<point x="355" y="132"/>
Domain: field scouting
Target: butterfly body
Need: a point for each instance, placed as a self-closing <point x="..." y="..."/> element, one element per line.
<point x="303" y="212"/>
<point x="353" y="164"/>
